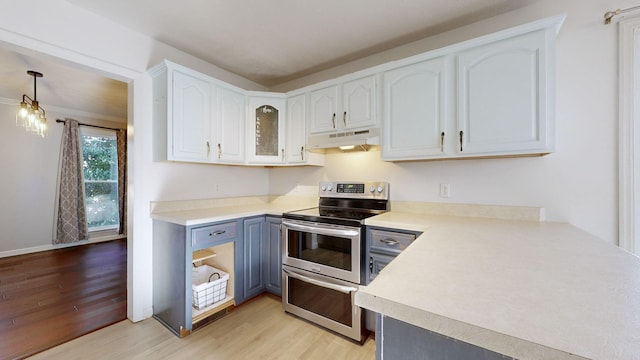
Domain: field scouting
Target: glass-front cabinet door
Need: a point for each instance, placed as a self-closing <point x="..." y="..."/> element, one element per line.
<point x="266" y="141"/>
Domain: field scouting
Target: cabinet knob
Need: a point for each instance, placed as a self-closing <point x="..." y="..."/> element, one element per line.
<point x="442" y="141"/>
<point x="302" y="153"/>
<point x="344" y="118"/>
<point x="219" y="151"/>
<point x="208" y="148"/>
<point x="333" y="119"/>
<point x="283" y="154"/>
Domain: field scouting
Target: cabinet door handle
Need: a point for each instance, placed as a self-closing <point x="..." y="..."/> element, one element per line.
<point x="371" y="263"/>
<point x="302" y="153"/>
<point x="442" y="141"/>
<point x="389" y="242"/>
<point x="283" y="154"/>
<point x="344" y="118"/>
<point x="217" y="232"/>
<point x="208" y="148"/>
<point x="334" y="120"/>
<point x="460" y="140"/>
<point x="219" y="151"/>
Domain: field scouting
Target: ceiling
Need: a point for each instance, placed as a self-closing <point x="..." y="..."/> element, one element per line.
<point x="63" y="86"/>
<point x="267" y="41"/>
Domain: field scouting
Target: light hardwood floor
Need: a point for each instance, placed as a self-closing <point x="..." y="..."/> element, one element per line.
<point x="256" y="330"/>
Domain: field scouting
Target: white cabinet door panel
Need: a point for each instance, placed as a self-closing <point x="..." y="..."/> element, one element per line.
<point x="190" y="119"/>
<point x="323" y="107"/>
<point x="415" y="111"/>
<point x="296" y="129"/>
<point x="501" y="94"/>
<point x="231" y="110"/>
<point x="359" y="103"/>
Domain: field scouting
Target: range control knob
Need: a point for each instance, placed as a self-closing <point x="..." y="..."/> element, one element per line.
<point x="372" y="189"/>
<point x="323" y="187"/>
<point x="329" y="187"/>
<point x="380" y="189"/>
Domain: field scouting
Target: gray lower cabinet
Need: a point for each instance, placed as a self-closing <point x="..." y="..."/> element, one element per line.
<point x="248" y="249"/>
<point x="262" y="256"/>
<point x="255" y="250"/>
<point x="397" y="340"/>
<point x="382" y="246"/>
<point x="175" y="248"/>
<point x="273" y="264"/>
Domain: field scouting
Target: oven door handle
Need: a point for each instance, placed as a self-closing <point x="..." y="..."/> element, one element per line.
<point x="340" y="288"/>
<point x="317" y="229"/>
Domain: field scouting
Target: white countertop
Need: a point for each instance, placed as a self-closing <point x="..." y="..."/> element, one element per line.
<point x="199" y="212"/>
<point x="531" y="290"/>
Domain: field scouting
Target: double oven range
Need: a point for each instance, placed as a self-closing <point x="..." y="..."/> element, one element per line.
<point x="323" y="254"/>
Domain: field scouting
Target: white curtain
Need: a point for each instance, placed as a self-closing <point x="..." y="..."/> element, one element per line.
<point x="72" y="218"/>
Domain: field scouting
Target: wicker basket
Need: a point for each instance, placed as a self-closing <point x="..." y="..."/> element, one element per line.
<point x="209" y="286"/>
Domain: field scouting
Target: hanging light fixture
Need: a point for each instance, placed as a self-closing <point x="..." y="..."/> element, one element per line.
<point x="30" y="114"/>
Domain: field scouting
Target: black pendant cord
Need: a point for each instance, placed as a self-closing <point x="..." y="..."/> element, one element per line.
<point x="89" y="125"/>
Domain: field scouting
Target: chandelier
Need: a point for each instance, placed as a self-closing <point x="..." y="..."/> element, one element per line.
<point x="30" y="114"/>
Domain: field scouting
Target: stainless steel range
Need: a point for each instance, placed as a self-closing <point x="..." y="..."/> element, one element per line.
<point x="323" y="254"/>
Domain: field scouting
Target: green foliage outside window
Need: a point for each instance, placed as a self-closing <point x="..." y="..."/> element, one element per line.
<point x="100" y="166"/>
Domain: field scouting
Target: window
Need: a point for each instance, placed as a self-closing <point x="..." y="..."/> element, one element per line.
<point x="100" y="167"/>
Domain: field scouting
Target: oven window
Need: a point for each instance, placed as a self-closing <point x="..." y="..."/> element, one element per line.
<point x="328" y="303"/>
<point x="321" y="249"/>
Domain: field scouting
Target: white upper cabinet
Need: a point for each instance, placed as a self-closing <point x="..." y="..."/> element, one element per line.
<point x="348" y="105"/>
<point x="231" y="110"/>
<point x="415" y="111"/>
<point x="296" y="129"/>
<point x="503" y="97"/>
<point x="182" y="112"/>
<point x="492" y="96"/>
<point x="323" y="109"/>
<point x="266" y="129"/>
<point x="489" y="96"/>
<point x="359" y="103"/>
<point x="190" y="119"/>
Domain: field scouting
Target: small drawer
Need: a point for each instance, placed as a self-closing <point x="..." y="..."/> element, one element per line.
<point x="390" y="241"/>
<point x="209" y="235"/>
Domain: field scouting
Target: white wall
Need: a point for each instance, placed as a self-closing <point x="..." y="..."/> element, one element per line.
<point x="577" y="184"/>
<point x="28" y="179"/>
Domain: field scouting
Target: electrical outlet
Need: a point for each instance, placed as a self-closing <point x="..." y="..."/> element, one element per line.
<point x="217" y="187"/>
<point x="445" y="190"/>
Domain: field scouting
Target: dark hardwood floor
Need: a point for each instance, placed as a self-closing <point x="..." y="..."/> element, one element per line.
<point x="51" y="297"/>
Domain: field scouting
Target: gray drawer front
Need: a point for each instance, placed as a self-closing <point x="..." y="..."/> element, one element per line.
<point x="390" y="241"/>
<point x="207" y="236"/>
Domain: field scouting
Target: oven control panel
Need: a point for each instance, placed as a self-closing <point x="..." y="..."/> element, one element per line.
<point x="354" y="190"/>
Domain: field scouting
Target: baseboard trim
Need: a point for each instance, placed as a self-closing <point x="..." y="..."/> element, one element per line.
<point x="36" y="249"/>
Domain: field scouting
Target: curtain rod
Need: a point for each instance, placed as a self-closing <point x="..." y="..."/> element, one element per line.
<point x="610" y="14"/>
<point x="89" y="125"/>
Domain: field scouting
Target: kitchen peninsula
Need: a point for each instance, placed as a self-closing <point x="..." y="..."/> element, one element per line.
<point x="511" y="284"/>
<point x="529" y="290"/>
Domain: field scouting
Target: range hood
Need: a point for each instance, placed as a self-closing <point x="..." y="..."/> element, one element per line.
<point x="346" y="138"/>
